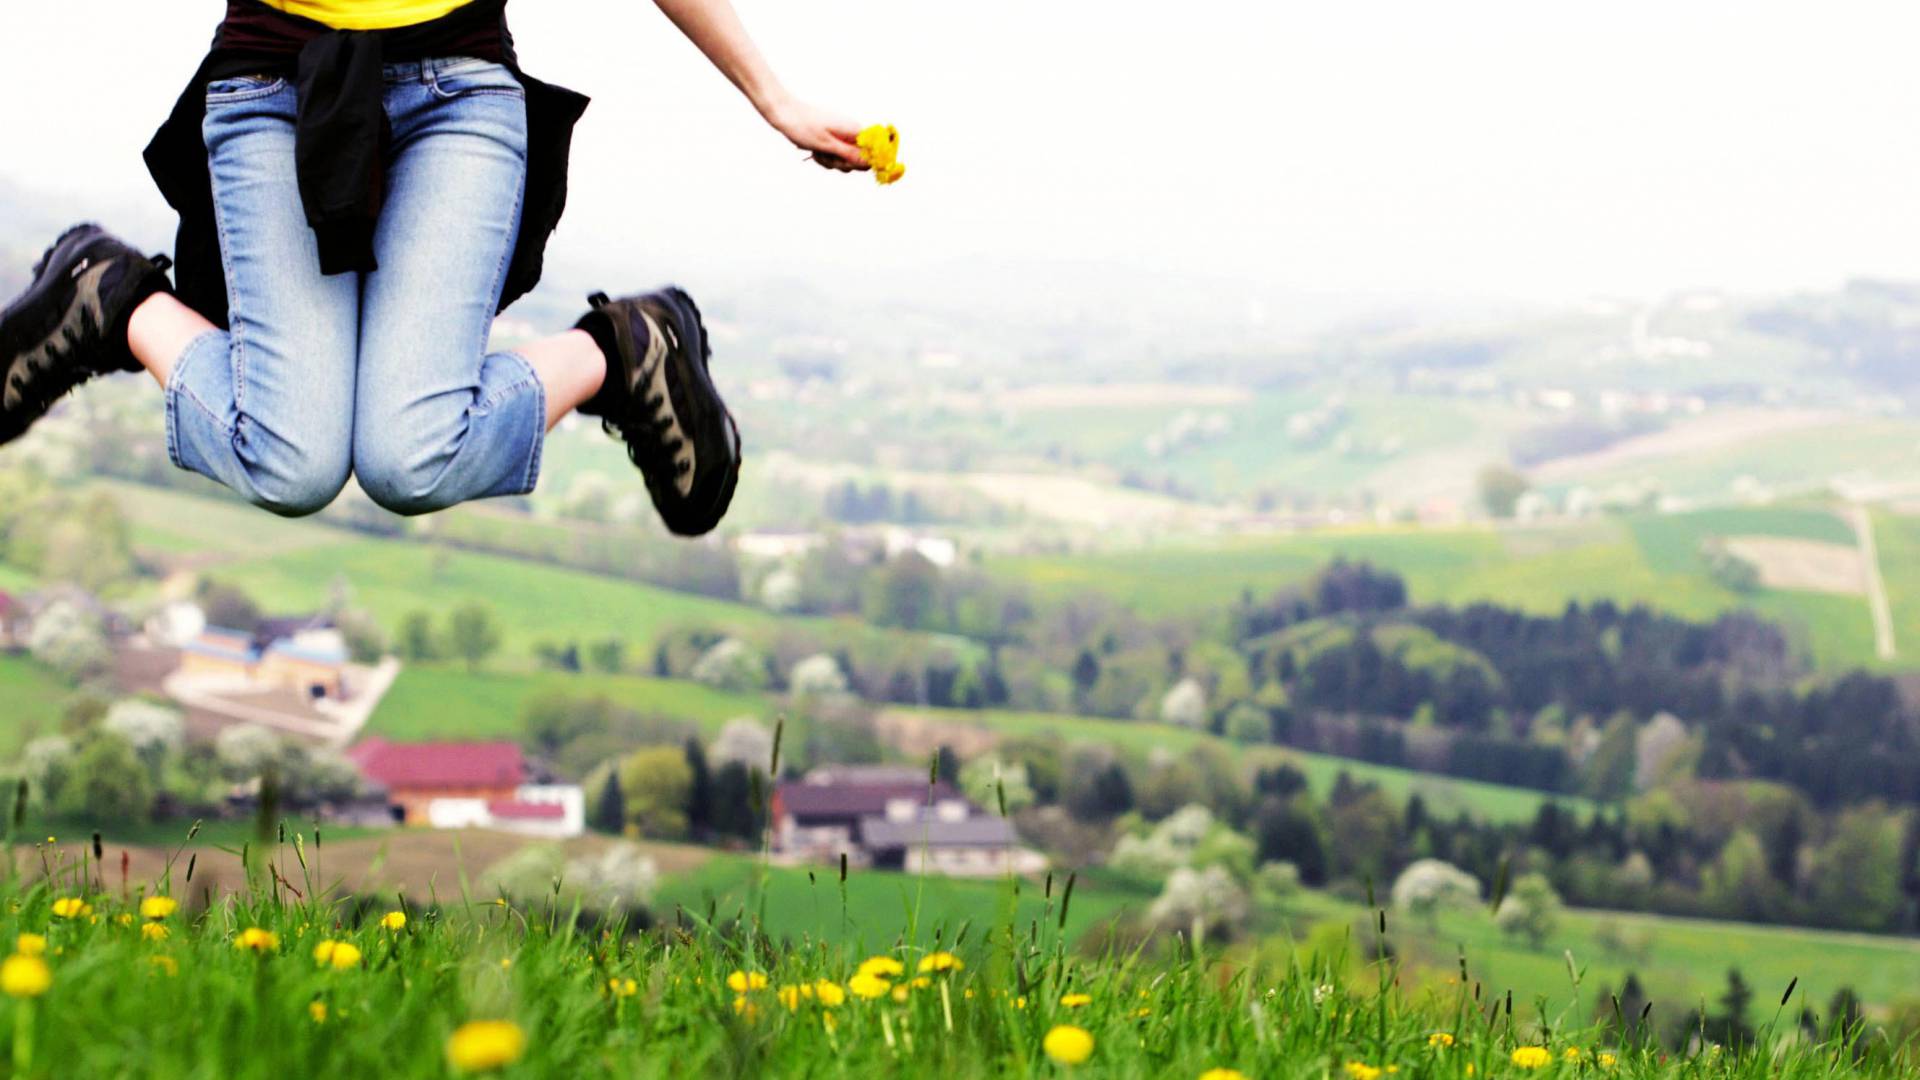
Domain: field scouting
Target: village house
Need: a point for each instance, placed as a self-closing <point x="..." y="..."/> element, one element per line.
<point x="468" y="785"/>
<point x="304" y="655"/>
<point x="888" y="817"/>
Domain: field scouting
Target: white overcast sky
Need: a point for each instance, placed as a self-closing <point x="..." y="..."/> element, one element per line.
<point x="1492" y="148"/>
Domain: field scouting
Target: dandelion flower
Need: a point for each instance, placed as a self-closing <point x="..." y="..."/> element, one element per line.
<point x="881" y="144"/>
<point x="868" y="986"/>
<point x="158" y="907"/>
<point x="940" y="961"/>
<point x="829" y="993"/>
<point x="1020" y="1002"/>
<point x="1068" y="1045"/>
<point x="261" y="941"/>
<point x="25" y="976"/>
<point x="1440" y="1038"/>
<point x="745" y="1007"/>
<point x="899" y="995"/>
<point x="1532" y="1057"/>
<point x="71" y="907"/>
<point x="1076" y="1001"/>
<point x="31" y="945"/>
<point x="1360" y="1070"/>
<point x="125" y="918"/>
<point x="1606" y="1060"/>
<point x="789" y="996"/>
<point x="339" y="955"/>
<point x="154" y="931"/>
<point x="742" y="981"/>
<point x="394" y="920"/>
<point x="317" y="1010"/>
<point x="479" y="1045"/>
<point x="885" y="967"/>
<point x="1572" y="1053"/>
<point x="1223" y="1074"/>
<point x="165" y="965"/>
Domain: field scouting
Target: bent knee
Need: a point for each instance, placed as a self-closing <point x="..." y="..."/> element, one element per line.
<point x="301" y="493"/>
<point x="395" y="484"/>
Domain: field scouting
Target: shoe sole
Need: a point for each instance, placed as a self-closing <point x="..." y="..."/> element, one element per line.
<point x="689" y="326"/>
<point x="12" y="343"/>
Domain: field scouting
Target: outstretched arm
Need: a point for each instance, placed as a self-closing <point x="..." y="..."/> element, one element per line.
<point x="715" y="28"/>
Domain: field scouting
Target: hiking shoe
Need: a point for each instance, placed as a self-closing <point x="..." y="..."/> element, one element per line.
<point x="659" y="399"/>
<point x="71" y="323"/>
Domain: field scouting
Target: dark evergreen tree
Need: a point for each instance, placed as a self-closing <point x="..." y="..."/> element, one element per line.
<point x="700" y="792"/>
<point x="610" y="809"/>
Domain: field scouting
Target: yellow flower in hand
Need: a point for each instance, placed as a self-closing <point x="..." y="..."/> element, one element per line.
<point x="881" y="144"/>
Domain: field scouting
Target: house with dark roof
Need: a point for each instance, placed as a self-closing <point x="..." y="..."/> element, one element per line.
<point x="462" y="785"/>
<point x="891" y="818"/>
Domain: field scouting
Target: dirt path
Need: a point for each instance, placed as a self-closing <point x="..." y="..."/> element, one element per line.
<point x="1883" y="642"/>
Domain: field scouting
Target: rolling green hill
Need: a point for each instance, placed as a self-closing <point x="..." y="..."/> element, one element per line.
<point x="1640" y="559"/>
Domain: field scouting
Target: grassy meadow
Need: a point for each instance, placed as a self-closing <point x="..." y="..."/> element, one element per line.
<point x="282" y="976"/>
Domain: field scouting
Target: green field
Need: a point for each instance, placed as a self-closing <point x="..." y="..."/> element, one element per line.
<point x="443" y="703"/>
<point x="31" y="698"/>
<point x="1640" y="559"/>
<point x="1444" y="795"/>
<point x="1898" y="539"/>
<point x="806" y="902"/>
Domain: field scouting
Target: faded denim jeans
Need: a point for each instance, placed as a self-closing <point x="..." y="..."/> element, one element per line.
<point x="383" y="375"/>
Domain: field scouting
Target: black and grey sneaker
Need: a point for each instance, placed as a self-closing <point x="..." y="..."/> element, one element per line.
<point x="659" y="398"/>
<point x="71" y="323"/>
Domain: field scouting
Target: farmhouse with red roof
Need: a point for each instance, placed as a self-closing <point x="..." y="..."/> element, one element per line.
<point x="459" y="785"/>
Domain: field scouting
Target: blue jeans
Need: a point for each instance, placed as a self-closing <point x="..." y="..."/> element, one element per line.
<point x="382" y="375"/>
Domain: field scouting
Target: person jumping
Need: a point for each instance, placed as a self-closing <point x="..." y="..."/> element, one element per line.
<point x="362" y="186"/>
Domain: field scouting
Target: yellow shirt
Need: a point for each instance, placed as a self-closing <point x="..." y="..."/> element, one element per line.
<point x="367" y="14"/>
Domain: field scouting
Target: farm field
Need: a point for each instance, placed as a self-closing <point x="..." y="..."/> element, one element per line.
<point x="1640" y="559"/>
<point x="31" y="697"/>
<point x="429" y="702"/>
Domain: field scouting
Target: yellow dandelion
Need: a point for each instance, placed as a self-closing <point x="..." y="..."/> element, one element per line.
<point x="899" y="995"/>
<point x="1076" y="1001"/>
<point x="31" y="944"/>
<point x="158" y="907"/>
<point x="165" y="965"/>
<point x="742" y="981"/>
<point x="829" y="993"/>
<point x="1223" y="1074"/>
<point x="745" y="1007"/>
<point x="71" y="907"/>
<point x="153" y="931"/>
<point x="1020" y="1002"/>
<point x="25" y="976"/>
<point x="886" y="967"/>
<point x="1440" y="1038"/>
<point x="317" y="1010"/>
<point x="1571" y="1053"/>
<point x="261" y="941"/>
<point x="622" y="988"/>
<point x="1532" y="1057"/>
<point x="1068" y="1045"/>
<point x="1142" y="1013"/>
<point x="479" y="1045"/>
<point x="1606" y="1060"/>
<point x="868" y="986"/>
<point x="506" y="962"/>
<point x="394" y="920"/>
<point x="789" y="996"/>
<point x="941" y="961"/>
<point x="125" y="918"/>
<point x="1360" y="1070"/>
